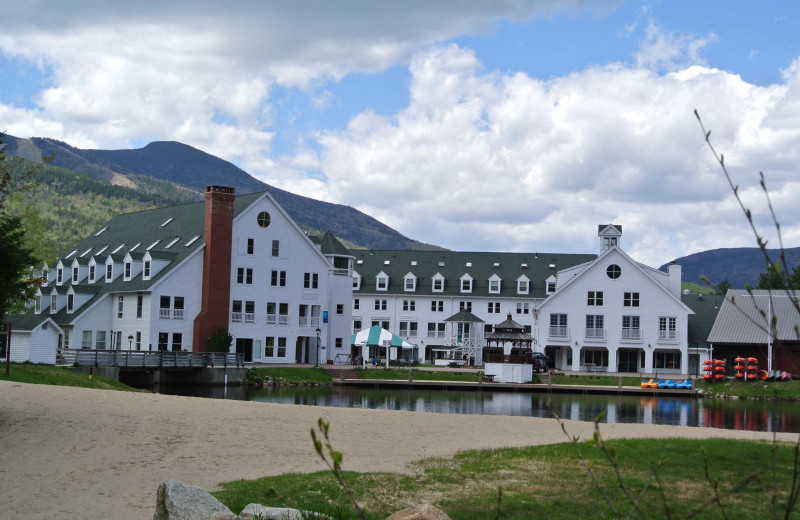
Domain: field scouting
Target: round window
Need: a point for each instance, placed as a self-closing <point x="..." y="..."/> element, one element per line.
<point x="263" y="219"/>
<point x="613" y="271"/>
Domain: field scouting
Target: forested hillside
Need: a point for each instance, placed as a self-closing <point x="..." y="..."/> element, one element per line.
<point x="738" y="266"/>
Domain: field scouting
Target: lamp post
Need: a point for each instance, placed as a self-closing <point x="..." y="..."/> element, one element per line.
<point x="130" y="341"/>
<point x="316" y="362"/>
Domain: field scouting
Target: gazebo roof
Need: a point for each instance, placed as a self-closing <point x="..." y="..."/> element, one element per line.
<point x="509" y="330"/>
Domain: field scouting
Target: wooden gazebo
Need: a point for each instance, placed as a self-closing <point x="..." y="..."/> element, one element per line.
<point x="511" y="343"/>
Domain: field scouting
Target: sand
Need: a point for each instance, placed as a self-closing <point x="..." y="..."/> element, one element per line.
<point x="96" y="454"/>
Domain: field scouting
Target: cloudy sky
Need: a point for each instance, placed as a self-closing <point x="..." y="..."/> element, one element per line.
<point x="509" y="125"/>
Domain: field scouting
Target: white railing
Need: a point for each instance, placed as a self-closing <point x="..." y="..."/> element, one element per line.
<point x="249" y="317"/>
<point x="177" y="314"/>
<point x="236" y="317"/>
<point x="302" y="321"/>
<point x="147" y="359"/>
<point x="315" y="321"/>
<point x="164" y="313"/>
<point x="283" y="319"/>
<point x="668" y="335"/>
<point x="272" y="319"/>
<point x="635" y="334"/>
<point x="558" y="332"/>
<point x="595" y="333"/>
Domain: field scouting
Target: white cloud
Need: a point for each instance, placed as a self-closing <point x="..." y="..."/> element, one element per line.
<point x="480" y="160"/>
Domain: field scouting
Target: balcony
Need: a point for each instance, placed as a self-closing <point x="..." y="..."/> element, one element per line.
<point x="632" y="334"/>
<point x="559" y="332"/>
<point x="596" y="334"/>
<point x="667" y="335"/>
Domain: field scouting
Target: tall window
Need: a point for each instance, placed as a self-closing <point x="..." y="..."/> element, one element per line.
<point x="59" y="276"/>
<point x="631" y="299"/>
<point x="276" y="248"/>
<point x="70" y="302"/>
<point x="356" y="303"/>
<point x="272" y="313"/>
<point x="91" y="273"/>
<point x="163" y="340"/>
<point x="236" y="311"/>
<point x="138" y="340"/>
<point x="250" y="246"/>
<point x="109" y="272"/>
<point x="177" y="308"/>
<point x="249" y="312"/>
<point x="630" y="328"/>
<point x="139" y="305"/>
<point x="177" y="341"/>
<point x="283" y="314"/>
<point x="667" y="328"/>
<point x="281" y="347"/>
<point x="120" y="305"/>
<point x="53" y="303"/>
<point x="100" y="341"/>
<point x="595" y="298"/>
<point x="127" y="270"/>
<point x="339" y="308"/>
<point x="164" y="308"/>
<point x="244" y="275"/>
<point x="594" y="326"/>
<point x="269" y="347"/>
<point x="146" y="269"/>
<point x="86" y="339"/>
<point x="74" y="275"/>
<point x="558" y="325"/>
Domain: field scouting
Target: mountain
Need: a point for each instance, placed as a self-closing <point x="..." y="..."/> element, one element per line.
<point x="739" y="265"/>
<point x="176" y="173"/>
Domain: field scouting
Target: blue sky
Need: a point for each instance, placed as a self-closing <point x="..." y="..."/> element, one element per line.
<point x="513" y="126"/>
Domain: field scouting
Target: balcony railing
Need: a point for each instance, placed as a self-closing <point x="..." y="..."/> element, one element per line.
<point x="164" y="313"/>
<point x="668" y="335"/>
<point x="177" y="314"/>
<point x="249" y="317"/>
<point x="595" y="333"/>
<point x="314" y="321"/>
<point x="236" y="317"/>
<point x="283" y="319"/>
<point x="303" y="321"/>
<point x="632" y="334"/>
<point x="558" y="332"/>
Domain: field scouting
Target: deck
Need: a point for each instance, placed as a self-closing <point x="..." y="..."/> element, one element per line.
<point x="148" y="360"/>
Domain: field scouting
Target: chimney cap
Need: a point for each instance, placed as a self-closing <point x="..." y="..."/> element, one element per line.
<point x="220" y="189"/>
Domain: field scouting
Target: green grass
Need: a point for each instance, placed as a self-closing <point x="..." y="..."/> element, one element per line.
<point x="419" y="375"/>
<point x="543" y="482"/>
<point x="61" y="376"/>
<point x="594" y="380"/>
<point x="760" y="389"/>
<point x="291" y="375"/>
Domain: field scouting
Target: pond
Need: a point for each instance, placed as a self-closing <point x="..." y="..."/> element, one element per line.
<point x="778" y="416"/>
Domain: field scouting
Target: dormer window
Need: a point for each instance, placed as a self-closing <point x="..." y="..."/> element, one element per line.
<point x="466" y="284"/>
<point x="356" y="281"/>
<point x="550" y="284"/>
<point x="70" y="302"/>
<point x="59" y="275"/>
<point x="109" y="272"/>
<point x="437" y="283"/>
<point x="127" y="270"/>
<point x="53" y="303"/>
<point x="523" y="285"/>
<point x="91" y="273"/>
<point x="75" y="274"/>
<point x="381" y="282"/>
<point x="37" y="305"/>
<point x="146" y="263"/>
<point x="410" y="283"/>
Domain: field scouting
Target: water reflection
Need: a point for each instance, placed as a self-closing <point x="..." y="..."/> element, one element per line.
<point x="729" y="414"/>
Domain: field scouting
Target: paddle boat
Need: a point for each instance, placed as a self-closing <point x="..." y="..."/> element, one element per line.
<point x="668" y="384"/>
<point x="686" y="384"/>
<point x="649" y="383"/>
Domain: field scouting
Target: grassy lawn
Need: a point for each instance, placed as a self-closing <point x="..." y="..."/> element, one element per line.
<point x="767" y="389"/>
<point x="419" y="375"/>
<point x="546" y="482"/>
<point x="292" y="375"/>
<point x="594" y="380"/>
<point x="61" y="376"/>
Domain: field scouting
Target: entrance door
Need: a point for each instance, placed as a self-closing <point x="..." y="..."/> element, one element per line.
<point x="245" y="346"/>
<point x="628" y="360"/>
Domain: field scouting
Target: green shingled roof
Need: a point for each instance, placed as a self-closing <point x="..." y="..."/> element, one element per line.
<point x="705" y="307"/>
<point x="481" y="266"/>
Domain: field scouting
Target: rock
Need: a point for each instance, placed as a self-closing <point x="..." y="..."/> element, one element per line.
<point x="420" y="512"/>
<point x="178" y="501"/>
<point x="253" y="511"/>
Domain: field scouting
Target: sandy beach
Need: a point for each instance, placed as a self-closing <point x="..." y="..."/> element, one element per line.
<point x="94" y="454"/>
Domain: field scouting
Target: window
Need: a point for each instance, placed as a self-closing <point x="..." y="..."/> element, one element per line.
<point x="494" y="308"/>
<point x="436" y="330"/>
<point x="138" y="340"/>
<point x="410" y="283"/>
<point x="278" y="279"/>
<point x="339" y="308"/>
<point x="177" y="308"/>
<point x="53" y="303"/>
<point x="263" y="219"/>
<point x="599" y="357"/>
<point x="127" y="270"/>
<point x="164" y="308"/>
<point x="177" y="341"/>
<point x="163" y="340"/>
<point x="595" y="298"/>
<point x="438" y="284"/>
<point x="146" y="269"/>
<point x="613" y="271"/>
<point x="609" y="242"/>
<point x="356" y="304"/>
<point x="437" y="306"/>
<point x="91" y="273"/>
<point x="494" y="286"/>
<point x="408" y="329"/>
<point x="59" y="276"/>
<point x="86" y="339"/>
<point x="594" y="326"/>
<point x="380" y="305"/>
<point x="523" y="307"/>
<point x="667" y="328"/>
<point x="251" y="244"/>
<point x="37" y="308"/>
<point x="466" y="285"/>
<point x="109" y="272"/>
<point x="558" y="325"/>
<point x="551" y="287"/>
<point x="249" y="312"/>
<point x="139" y="305"/>
<point x="272" y="313"/>
<point x="236" y="311"/>
<point x="244" y="276"/>
<point x="276" y="249"/>
<point x="310" y="280"/>
<point x="281" y="347"/>
<point x="356" y="326"/>
<point x="630" y="328"/>
<point x="269" y="347"/>
<point x="631" y="299"/>
<point x="382" y="283"/>
<point x="283" y="314"/>
<point x="120" y="305"/>
<point x="356" y="282"/>
<point x="465" y="306"/>
<point x="409" y="305"/>
<point x="523" y="286"/>
<point x="75" y="271"/>
<point x="66" y="338"/>
<point x="70" y="302"/>
<point x="669" y="360"/>
<point x="100" y="340"/>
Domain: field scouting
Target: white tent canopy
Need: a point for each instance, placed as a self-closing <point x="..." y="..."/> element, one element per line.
<point x="376" y="336"/>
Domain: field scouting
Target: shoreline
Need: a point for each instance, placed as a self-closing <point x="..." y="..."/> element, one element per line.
<point x="82" y="453"/>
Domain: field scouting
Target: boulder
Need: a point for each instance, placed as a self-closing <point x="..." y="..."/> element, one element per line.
<point x="420" y="512"/>
<point x="253" y="511"/>
<point x="178" y="501"/>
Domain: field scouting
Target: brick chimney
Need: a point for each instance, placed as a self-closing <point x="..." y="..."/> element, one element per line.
<point x="216" y="265"/>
